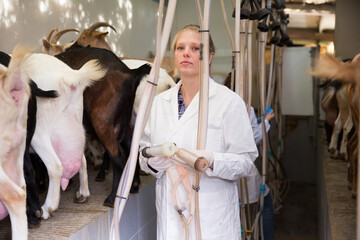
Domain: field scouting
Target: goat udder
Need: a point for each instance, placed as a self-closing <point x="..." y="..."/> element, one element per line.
<point x="64" y="182"/>
<point x="69" y="170"/>
<point x="3" y="211"/>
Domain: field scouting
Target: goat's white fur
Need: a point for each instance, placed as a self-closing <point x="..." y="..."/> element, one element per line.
<point x="14" y="96"/>
<point x="164" y="82"/>
<point x="59" y="134"/>
<point x="343" y="122"/>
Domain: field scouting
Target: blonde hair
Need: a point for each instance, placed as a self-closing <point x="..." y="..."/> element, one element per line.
<point x="194" y="28"/>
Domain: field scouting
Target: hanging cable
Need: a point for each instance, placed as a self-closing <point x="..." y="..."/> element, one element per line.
<point x="143" y="112"/>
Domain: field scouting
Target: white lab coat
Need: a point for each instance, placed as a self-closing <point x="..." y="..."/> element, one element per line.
<point x="229" y="137"/>
<point x="257" y="127"/>
<point x="254" y="181"/>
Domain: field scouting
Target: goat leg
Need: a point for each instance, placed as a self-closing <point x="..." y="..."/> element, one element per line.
<point x="15" y="202"/>
<point x="83" y="194"/>
<point x="105" y="166"/>
<point x="34" y="211"/>
<point x="335" y="137"/>
<point x="55" y="169"/>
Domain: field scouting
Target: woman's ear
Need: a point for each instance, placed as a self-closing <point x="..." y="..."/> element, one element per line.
<point x="210" y="57"/>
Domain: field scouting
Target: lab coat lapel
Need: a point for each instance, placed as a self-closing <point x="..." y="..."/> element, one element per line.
<point x="191" y="110"/>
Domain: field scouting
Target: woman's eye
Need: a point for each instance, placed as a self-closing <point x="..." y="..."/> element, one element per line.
<point x="180" y="48"/>
<point x="196" y="48"/>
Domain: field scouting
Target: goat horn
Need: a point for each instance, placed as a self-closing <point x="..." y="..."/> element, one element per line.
<point x="60" y="33"/>
<point x="100" y="24"/>
<point x="51" y="32"/>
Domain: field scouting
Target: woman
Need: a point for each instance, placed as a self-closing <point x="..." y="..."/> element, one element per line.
<point x="230" y="148"/>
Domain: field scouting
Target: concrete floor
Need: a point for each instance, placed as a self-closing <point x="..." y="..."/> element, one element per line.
<point x="297" y="219"/>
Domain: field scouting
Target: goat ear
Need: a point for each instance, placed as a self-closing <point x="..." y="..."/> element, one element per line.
<point x="46" y="44"/>
<point x="101" y="34"/>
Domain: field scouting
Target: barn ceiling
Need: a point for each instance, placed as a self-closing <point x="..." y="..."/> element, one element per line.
<point x="311" y="19"/>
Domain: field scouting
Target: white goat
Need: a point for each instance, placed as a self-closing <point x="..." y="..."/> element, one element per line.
<point x="165" y="81"/>
<point x="59" y="137"/>
<point x="14" y="96"/>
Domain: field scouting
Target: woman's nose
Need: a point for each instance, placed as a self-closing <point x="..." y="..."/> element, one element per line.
<point x="186" y="52"/>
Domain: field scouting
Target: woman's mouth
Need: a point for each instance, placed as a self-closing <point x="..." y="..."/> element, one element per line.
<point x="185" y="63"/>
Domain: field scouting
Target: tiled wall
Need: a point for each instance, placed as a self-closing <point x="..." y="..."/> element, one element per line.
<point x="138" y="221"/>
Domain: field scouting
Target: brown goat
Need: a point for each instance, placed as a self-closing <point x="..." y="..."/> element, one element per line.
<point x="353" y="143"/>
<point x="92" y="38"/>
<point x="329" y="67"/>
<point x="50" y="46"/>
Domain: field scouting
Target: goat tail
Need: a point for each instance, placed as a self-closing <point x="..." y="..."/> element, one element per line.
<point x="142" y="70"/>
<point x="19" y="54"/>
<point x="89" y="73"/>
<point x="36" y="91"/>
<point x="329" y="93"/>
<point x="328" y="66"/>
<point x="15" y="67"/>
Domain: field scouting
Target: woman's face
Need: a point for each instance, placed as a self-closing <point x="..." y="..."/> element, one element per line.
<point x="187" y="53"/>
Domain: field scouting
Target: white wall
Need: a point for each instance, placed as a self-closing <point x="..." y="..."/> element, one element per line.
<point x="297" y="85"/>
<point x="27" y="22"/>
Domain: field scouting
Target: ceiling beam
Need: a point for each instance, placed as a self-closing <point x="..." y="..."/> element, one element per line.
<point x="311" y="7"/>
<point x="309" y="34"/>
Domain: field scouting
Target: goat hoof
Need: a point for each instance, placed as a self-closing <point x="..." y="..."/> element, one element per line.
<point x="332" y="150"/>
<point x="51" y="212"/>
<point x="134" y="190"/>
<point x="45" y="216"/>
<point x="33" y="219"/>
<point x="334" y="155"/>
<point x="108" y="204"/>
<point x="33" y="226"/>
<point x="39" y="213"/>
<point x="80" y="199"/>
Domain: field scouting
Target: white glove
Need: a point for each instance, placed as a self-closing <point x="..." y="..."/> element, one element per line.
<point x="199" y="153"/>
<point x="160" y="163"/>
<point x="205" y="154"/>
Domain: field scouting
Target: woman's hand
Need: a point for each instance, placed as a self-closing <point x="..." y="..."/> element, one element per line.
<point x="160" y="163"/>
<point x="270" y="115"/>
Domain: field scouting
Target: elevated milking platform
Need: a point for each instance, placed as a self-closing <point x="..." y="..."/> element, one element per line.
<point x="92" y="220"/>
<point x="337" y="208"/>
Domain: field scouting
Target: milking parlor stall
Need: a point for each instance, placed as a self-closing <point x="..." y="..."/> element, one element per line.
<point x="78" y="82"/>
